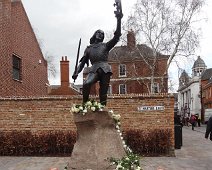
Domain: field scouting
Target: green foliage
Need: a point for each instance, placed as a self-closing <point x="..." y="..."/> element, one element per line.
<point x="128" y="162"/>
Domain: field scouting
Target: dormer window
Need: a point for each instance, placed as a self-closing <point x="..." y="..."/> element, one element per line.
<point x="122" y="70"/>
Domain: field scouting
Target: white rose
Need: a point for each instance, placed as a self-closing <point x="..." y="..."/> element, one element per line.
<point x="138" y="168"/>
<point x="117" y="117"/>
<point x="73" y="109"/>
<point x="76" y="110"/>
<point x="118" y="167"/>
<point x="80" y="108"/>
<point x="111" y="111"/>
<point x="89" y="103"/>
<point x="93" y="109"/>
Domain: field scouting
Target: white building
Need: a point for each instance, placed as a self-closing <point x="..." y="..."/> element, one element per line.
<point x="189" y="101"/>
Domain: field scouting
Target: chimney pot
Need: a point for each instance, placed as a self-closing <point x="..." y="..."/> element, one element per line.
<point x="131" y="43"/>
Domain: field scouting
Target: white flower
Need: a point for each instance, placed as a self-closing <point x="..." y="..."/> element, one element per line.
<point x="93" y="108"/>
<point x="95" y="103"/>
<point x="118" y="130"/>
<point x="85" y="111"/>
<point x="73" y="109"/>
<point x="88" y="103"/>
<point x="138" y="168"/>
<point x="80" y="108"/>
<point x="123" y="142"/>
<point x="111" y="111"/>
<point x="117" y="117"/>
<point x="118" y="166"/>
<point x="76" y="110"/>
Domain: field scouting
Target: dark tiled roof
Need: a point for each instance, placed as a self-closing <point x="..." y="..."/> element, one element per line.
<point x="124" y="53"/>
<point x="184" y="75"/>
<point x="207" y="74"/>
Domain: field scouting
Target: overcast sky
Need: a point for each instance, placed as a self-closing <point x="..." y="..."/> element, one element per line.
<point x="59" y="24"/>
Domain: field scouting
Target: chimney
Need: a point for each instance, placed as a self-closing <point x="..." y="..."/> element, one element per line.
<point x="131" y="40"/>
<point x="64" y="71"/>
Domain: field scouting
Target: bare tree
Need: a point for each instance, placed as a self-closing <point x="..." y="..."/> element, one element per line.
<point x="168" y="27"/>
<point x="51" y="66"/>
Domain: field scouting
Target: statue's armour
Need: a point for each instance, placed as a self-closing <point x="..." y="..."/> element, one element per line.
<point x="98" y="56"/>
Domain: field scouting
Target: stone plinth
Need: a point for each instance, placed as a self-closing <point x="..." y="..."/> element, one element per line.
<point x="97" y="141"/>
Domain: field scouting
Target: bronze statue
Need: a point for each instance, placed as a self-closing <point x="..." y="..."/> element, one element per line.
<point x="97" y="52"/>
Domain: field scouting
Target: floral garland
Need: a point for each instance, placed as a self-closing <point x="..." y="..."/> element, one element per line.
<point x="89" y="105"/>
<point x="131" y="160"/>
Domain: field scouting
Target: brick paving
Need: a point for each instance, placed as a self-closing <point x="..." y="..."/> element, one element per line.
<point x="195" y="154"/>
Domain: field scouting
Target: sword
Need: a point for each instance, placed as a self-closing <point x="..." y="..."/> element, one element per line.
<point x="118" y="6"/>
<point x="75" y="71"/>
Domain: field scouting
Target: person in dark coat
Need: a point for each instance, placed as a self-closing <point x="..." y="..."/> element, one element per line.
<point x="209" y="129"/>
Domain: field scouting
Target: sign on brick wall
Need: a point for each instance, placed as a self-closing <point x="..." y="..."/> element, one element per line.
<point x="150" y="108"/>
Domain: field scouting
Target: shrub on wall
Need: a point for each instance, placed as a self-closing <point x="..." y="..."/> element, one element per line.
<point x="45" y="143"/>
<point x="149" y="143"/>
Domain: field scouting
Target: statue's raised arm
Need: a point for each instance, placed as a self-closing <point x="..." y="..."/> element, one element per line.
<point x="118" y="14"/>
<point x="118" y="11"/>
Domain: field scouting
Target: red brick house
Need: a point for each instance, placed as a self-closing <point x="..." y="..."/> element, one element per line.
<point x="131" y="72"/>
<point x="206" y="91"/>
<point x="23" y="70"/>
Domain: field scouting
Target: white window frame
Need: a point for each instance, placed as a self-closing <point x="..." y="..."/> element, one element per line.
<point x="109" y="91"/>
<point x="155" y="86"/>
<point x="122" y="71"/>
<point x="122" y="86"/>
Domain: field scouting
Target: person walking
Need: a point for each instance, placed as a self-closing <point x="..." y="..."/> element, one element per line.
<point x="199" y="120"/>
<point x="193" y="121"/>
<point x="209" y="129"/>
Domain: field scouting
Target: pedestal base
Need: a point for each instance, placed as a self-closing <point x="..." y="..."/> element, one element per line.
<point x="97" y="141"/>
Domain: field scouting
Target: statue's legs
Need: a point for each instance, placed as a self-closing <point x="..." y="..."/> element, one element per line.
<point x="90" y="79"/>
<point x="104" y="84"/>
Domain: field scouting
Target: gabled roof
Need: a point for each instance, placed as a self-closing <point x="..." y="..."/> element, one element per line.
<point x="125" y="53"/>
<point x="207" y="74"/>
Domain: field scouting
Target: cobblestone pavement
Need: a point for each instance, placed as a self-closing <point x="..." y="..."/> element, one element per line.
<point x="195" y="154"/>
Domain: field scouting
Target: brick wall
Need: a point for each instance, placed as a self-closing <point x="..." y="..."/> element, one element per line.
<point x="5" y="42"/>
<point x="17" y="37"/>
<point x="53" y="113"/>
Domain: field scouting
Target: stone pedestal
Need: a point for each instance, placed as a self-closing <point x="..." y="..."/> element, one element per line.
<point x="97" y="141"/>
